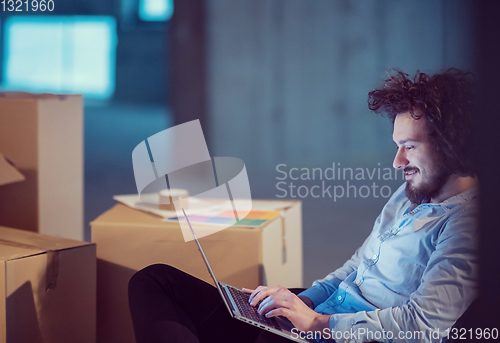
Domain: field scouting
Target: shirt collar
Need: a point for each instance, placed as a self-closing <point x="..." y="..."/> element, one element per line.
<point x="449" y="203"/>
<point x="460" y="198"/>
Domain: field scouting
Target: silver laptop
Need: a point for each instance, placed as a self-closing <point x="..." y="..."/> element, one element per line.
<point x="238" y="306"/>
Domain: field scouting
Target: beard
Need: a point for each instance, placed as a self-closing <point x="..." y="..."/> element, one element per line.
<point x="427" y="189"/>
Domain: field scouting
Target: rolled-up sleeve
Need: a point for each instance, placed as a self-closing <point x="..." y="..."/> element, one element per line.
<point x="322" y="289"/>
<point x="447" y="288"/>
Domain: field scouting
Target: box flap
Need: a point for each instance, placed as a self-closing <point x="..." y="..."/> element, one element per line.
<point x="11" y="250"/>
<point x="8" y="173"/>
<point x="25" y="95"/>
<point x="123" y="215"/>
<point x="15" y="243"/>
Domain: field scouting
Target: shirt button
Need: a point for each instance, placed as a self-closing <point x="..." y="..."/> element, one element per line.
<point x="374" y="257"/>
<point x="339" y="297"/>
<point x="358" y="282"/>
<point x="394" y="231"/>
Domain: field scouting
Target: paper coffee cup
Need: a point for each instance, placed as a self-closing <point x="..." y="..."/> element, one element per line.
<point x="168" y="196"/>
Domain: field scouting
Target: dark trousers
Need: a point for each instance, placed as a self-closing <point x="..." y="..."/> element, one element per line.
<point x="168" y="305"/>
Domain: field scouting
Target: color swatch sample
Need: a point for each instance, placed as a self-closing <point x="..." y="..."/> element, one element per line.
<point x="227" y="218"/>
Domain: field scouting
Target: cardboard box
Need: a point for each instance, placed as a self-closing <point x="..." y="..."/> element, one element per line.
<point x="129" y="240"/>
<point x="47" y="287"/>
<point x="8" y="173"/>
<point x="42" y="135"/>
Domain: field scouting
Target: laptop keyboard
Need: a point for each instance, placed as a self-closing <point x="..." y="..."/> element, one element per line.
<point x="248" y="311"/>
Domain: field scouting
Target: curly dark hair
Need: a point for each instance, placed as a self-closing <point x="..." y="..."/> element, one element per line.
<point x="445" y="100"/>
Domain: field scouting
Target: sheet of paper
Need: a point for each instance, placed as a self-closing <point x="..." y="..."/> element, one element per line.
<point x="212" y="212"/>
<point x="197" y="205"/>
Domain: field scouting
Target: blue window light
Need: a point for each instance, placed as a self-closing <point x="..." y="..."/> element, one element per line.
<point x="156" y="10"/>
<point x="61" y="54"/>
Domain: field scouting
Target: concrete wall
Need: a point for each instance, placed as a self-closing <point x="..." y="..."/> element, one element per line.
<point x="287" y="83"/>
<point x="288" y="79"/>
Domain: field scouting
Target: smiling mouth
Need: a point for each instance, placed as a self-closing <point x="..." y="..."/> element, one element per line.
<point x="409" y="174"/>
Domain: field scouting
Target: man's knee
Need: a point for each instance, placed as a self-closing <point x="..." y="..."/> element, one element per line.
<point x="150" y="274"/>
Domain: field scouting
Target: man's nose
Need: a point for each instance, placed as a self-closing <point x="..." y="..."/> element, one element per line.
<point x="400" y="160"/>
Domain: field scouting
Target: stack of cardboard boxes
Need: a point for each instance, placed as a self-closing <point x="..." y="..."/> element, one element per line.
<point x="42" y="136"/>
<point x="51" y="286"/>
<point x="47" y="282"/>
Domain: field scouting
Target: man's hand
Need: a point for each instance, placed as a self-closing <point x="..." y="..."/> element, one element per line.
<point x="260" y="293"/>
<point x="279" y="301"/>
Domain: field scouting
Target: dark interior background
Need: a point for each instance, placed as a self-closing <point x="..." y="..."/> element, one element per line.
<point x="284" y="82"/>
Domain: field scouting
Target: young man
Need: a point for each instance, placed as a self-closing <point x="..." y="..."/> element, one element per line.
<point x="412" y="278"/>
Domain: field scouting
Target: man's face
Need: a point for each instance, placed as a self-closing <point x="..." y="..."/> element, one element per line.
<point x="416" y="157"/>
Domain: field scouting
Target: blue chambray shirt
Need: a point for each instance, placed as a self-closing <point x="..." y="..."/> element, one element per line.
<point x="412" y="278"/>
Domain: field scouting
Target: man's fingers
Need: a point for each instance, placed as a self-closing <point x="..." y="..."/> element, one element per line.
<point x="263" y="304"/>
<point x="278" y="312"/>
<point x="259" y="294"/>
<point x="255" y="293"/>
<point x="268" y="304"/>
<point x="262" y="295"/>
<point x="272" y="302"/>
<point x="247" y="290"/>
<point x="258" y="297"/>
<point x="262" y="292"/>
